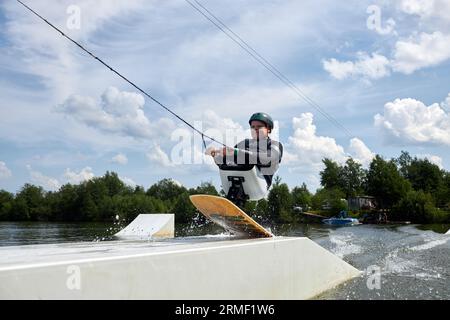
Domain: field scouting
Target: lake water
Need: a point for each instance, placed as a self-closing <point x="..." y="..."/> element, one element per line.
<point x="398" y="262"/>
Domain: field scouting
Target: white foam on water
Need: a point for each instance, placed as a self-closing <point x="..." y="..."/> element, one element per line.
<point x="393" y="264"/>
<point x="406" y="267"/>
<point x="427" y="276"/>
<point x="206" y="237"/>
<point x="343" y="245"/>
<point x="429" y="245"/>
<point x="220" y="235"/>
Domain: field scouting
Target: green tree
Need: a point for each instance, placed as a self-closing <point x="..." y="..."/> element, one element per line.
<point x="6" y="203"/>
<point x="262" y="211"/>
<point x="113" y="183"/>
<point x="425" y="176"/>
<point x="250" y="208"/>
<point x="34" y="199"/>
<point x="205" y="188"/>
<point x="67" y="203"/>
<point x="422" y="174"/>
<point x="19" y="210"/>
<point x="139" y="190"/>
<point x="443" y="194"/>
<point x="385" y="182"/>
<point x="330" y="176"/>
<point x="166" y="189"/>
<point x="403" y="162"/>
<point x="333" y="199"/>
<point x="415" y="206"/>
<point x="52" y="200"/>
<point x="183" y="209"/>
<point x="96" y="188"/>
<point x="128" y="207"/>
<point x="280" y="202"/>
<point x="352" y="177"/>
<point x="301" y="197"/>
<point x="88" y="210"/>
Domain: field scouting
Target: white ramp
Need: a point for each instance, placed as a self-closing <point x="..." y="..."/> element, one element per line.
<point x="274" y="268"/>
<point x="149" y="226"/>
<point x="448" y="232"/>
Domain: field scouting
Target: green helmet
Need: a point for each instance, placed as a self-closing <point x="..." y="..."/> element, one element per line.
<point x="263" y="117"/>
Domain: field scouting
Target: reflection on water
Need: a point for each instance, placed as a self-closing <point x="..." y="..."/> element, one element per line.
<point x="413" y="262"/>
<point x="24" y="233"/>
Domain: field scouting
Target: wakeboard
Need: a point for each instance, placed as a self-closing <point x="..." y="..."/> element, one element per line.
<point x="226" y="214"/>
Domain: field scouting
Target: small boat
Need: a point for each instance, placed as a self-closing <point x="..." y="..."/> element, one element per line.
<point x="341" y="221"/>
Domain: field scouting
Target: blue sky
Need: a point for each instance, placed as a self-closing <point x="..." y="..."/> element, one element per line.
<point x="380" y="68"/>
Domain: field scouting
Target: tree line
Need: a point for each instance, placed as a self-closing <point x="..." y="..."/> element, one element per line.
<point x="99" y="199"/>
<point x="106" y="198"/>
<point x="408" y="188"/>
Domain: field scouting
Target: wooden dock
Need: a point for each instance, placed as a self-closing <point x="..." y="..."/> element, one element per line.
<point x="313" y="215"/>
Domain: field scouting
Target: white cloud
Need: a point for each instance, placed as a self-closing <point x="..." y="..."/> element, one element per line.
<point x="176" y="182"/>
<point x="289" y="158"/>
<point x="120" y="159"/>
<point x="306" y="147"/>
<point x="118" y="112"/>
<point x="223" y="129"/>
<point x="360" y="152"/>
<point x="48" y="183"/>
<point x="75" y="178"/>
<point x="428" y="44"/>
<point x="446" y="103"/>
<point x="128" y="181"/>
<point x="305" y="151"/>
<point x="4" y="171"/>
<point x="417" y="7"/>
<point x="45" y="54"/>
<point x="370" y="67"/>
<point x="417" y="52"/>
<point x="424" y="50"/>
<point x="337" y="69"/>
<point x="427" y="9"/>
<point x="97" y="115"/>
<point x="433" y="159"/>
<point x="307" y="175"/>
<point x="159" y="157"/>
<point x="410" y="121"/>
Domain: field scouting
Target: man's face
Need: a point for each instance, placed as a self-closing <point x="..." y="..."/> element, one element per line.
<point x="259" y="129"/>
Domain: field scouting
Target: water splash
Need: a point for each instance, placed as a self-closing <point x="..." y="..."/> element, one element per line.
<point x="394" y="264"/>
<point x="344" y="244"/>
<point x="118" y="224"/>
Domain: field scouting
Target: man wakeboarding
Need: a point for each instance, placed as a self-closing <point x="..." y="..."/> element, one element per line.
<point x="246" y="173"/>
<point x="260" y="151"/>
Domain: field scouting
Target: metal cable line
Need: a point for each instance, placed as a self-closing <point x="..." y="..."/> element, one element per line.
<point x="123" y="77"/>
<point x="261" y="60"/>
